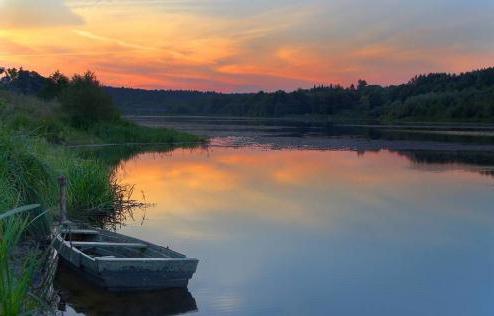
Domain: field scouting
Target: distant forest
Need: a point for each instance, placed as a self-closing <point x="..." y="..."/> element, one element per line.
<point x="434" y="97"/>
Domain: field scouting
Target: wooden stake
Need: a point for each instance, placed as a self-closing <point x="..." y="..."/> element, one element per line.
<point x="63" y="199"/>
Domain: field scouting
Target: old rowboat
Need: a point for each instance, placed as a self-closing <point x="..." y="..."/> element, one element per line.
<point x="122" y="263"/>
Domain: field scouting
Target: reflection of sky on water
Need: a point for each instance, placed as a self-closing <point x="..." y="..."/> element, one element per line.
<point x="322" y="232"/>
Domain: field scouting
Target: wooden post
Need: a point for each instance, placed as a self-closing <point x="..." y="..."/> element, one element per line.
<point x="63" y="199"/>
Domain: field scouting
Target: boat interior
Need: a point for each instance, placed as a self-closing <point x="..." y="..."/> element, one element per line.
<point x="96" y="244"/>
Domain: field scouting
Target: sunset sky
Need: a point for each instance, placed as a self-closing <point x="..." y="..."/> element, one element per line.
<point x="246" y="45"/>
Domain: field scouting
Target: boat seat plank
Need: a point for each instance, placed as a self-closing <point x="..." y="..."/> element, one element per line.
<point x="107" y="244"/>
<point x="80" y="231"/>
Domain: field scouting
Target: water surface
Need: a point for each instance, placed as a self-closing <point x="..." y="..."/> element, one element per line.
<point x="284" y="224"/>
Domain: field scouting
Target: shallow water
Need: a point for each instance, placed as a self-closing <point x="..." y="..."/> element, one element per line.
<point x="286" y="227"/>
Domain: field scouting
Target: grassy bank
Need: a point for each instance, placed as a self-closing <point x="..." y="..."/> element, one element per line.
<point x="33" y="154"/>
<point x="46" y="119"/>
<point x="30" y="166"/>
<point x="31" y="158"/>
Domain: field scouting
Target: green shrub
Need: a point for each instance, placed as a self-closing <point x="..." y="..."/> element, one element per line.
<point x="86" y="102"/>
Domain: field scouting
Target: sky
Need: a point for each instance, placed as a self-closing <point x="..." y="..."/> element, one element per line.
<point x="246" y="45"/>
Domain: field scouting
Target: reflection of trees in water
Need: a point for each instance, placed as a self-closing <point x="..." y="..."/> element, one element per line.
<point x="484" y="160"/>
<point x="487" y="172"/>
<point x="125" y="206"/>
<point x="435" y="133"/>
<point x="419" y="135"/>
<point x="114" y="155"/>
<point x="84" y="297"/>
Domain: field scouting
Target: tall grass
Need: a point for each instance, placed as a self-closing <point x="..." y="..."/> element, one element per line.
<point x="26" y="177"/>
<point x="122" y="131"/>
<point x="29" y="168"/>
<point x="15" y="283"/>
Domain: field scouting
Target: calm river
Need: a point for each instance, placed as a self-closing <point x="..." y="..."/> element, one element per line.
<point x="314" y="219"/>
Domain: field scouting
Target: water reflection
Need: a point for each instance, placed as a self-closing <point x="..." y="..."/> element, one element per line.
<point x="124" y="205"/>
<point x="482" y="162"/>
<point x="282" y="227"/>
<point x="83" y="298"/>
<point x="283" y="184"/>
<point x="115" y="154"/>
<point x="289" y="128"/>
<point x="318" y="232"/>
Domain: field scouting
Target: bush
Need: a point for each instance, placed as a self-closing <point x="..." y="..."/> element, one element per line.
<point x="86" y="102"/>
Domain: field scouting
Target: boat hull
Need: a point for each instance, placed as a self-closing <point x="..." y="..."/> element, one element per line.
<point x="128" y="282"/>
<point x="129" y="274"/>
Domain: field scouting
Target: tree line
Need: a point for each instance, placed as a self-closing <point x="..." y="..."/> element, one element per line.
<point x="434" y="97"/>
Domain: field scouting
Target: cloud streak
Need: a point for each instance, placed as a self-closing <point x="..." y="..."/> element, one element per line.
<point x="240" y="45"/>
<point x="35" y="14"/>
<point x="118" y="42"/>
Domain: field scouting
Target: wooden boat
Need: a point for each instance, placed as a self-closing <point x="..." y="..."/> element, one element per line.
<point x="122" y="263"/>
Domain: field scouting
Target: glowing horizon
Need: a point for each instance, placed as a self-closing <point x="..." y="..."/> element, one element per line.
<point x="240" y="46"/>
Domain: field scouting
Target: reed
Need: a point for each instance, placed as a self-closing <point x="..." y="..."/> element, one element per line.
<point x="30" y="166"/>
<point x="15" y="298"/>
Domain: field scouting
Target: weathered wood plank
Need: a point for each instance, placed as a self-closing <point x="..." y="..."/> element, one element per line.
<point x="80" y="231"/>
<point x="107" y="244"/>
<point x="63" y="198"/>
<point x="152" y="259"/>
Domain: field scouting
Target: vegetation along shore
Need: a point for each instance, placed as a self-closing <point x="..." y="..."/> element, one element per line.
<point x="34" y="133"/>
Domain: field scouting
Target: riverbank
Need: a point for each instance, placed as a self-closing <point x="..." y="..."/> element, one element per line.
<point x="35" y="136"/>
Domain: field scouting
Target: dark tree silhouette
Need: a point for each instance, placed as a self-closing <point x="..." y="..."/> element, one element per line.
<point x="434" y="97"/>
<point x="86" y="102"/>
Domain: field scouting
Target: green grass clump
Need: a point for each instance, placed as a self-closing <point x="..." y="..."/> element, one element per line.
<point x="122" y="131"/>
<point x="8" y="196"/>
<point x="29" y="171"/>
<point x="14" y="285"/>
<point x="91" y="187"/>
<point x="26" y="177"/>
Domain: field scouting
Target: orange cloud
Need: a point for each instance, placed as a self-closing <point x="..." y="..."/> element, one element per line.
<point x="209" y="45"/>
